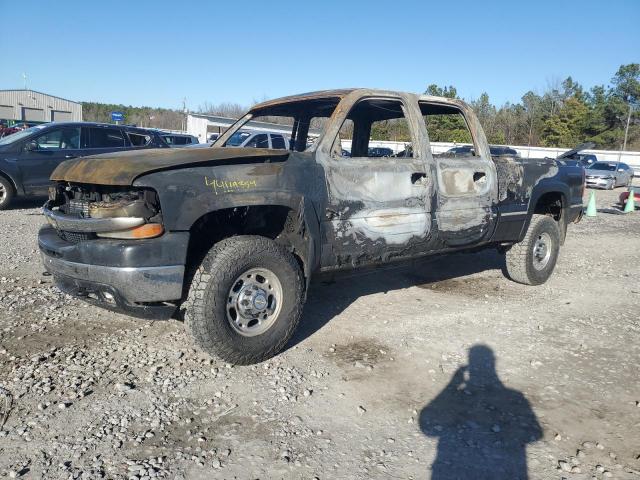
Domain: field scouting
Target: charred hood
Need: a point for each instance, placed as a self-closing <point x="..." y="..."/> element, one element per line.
<point x="123" y="168"/>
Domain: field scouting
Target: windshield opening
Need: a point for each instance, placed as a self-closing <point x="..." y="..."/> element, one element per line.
<point x="294" y="125"/>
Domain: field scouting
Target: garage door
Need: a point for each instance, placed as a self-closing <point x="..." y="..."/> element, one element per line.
<point x="6" y="112"/>
<point x="32" y="114"/>
<point x="60" y="116"/>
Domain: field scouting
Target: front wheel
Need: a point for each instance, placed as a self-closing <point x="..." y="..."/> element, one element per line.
<point x="533" y="259"/>
<point x="245" y="300"/>
<point x="6" y="193"/>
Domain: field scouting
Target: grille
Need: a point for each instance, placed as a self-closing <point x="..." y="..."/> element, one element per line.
<point x="75" y="237"/>
<point x="79" y="208"/>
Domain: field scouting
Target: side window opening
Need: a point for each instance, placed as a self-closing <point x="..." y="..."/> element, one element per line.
<point x="105" y="138"/>
<point x="277" y="142"/>
<point x="258" y="141"/>
<point x="374" y="128"/>
<point x="447" y="124"/>
<point x="59" y="139"/>
<point x="138" y="139"/>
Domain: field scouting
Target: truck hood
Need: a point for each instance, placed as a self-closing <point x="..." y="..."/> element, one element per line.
<point x="122" y="168"/>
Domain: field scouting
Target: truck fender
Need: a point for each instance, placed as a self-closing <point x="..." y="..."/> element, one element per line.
<point x="547" y="185"/>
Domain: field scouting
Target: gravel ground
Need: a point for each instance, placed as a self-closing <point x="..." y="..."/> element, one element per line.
<point x="391" y="375"/>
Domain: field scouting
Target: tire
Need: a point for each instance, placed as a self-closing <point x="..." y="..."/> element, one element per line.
<point x="525" y="266"/>
<point x="228" y="277"/>
<point x="6" y="193"/>
<point x="613" y="185"/>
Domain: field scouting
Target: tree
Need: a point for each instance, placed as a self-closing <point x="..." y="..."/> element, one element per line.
<point x="626" y="83"/>
<point x="568" y="126"/>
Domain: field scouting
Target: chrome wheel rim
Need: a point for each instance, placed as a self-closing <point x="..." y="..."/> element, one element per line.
<point x="254" y="302"/>
<point x="542" y="251"/>
<point x="3" y="193"/>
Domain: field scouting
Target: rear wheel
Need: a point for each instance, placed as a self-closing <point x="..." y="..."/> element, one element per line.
<point x="6" y="193"/>
<point x="533" y="259"/>
<point x="245" y="300"/>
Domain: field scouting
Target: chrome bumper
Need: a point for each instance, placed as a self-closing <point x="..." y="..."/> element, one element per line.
<point x="133" y="284"/>
<point x="72" y="223"/>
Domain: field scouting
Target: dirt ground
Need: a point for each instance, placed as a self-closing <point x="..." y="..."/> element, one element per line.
<point x="444" y="369"/>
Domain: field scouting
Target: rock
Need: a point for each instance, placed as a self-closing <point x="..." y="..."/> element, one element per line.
<point x="361" y="410"/>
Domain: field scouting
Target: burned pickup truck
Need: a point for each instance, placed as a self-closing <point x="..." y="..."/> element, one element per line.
<point x="232" y="236"/>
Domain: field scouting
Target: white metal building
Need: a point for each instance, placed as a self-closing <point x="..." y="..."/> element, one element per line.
<point x="32" y="106"/>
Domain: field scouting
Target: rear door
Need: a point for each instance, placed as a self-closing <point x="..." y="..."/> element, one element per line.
<point x="467" y="187"/>
<point x="53" y="146"/>
<point x="378" y="208"/>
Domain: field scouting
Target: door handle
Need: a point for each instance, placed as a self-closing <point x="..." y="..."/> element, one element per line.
<point x="70" y="156"/>
<point x="419" y="178"/>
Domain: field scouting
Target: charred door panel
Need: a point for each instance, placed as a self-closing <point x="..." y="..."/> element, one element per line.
<point x="378" y="209"/>
<point x="466" y="176"/>
<point x="465" y="199"/>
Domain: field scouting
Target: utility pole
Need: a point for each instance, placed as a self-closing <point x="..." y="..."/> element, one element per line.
<point x="184" y="113"/>
<point x="626" y="129"/>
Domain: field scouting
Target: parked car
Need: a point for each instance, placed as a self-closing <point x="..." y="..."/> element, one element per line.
<point x="379" y="152"/>
<point x="233" y="236"/>
<point x="495" y="150"/>
<point x="248" y="139"/>
<point x="28" y="157"/>
<point x="178" y="139"/>
<point x="608" y="175"/>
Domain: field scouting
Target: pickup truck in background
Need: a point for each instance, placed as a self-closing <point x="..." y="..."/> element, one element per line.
<point x="233" y="236"/>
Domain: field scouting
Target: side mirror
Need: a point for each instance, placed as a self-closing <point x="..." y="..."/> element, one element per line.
<point x="31" y="146"/>
<point x="621" y="169"/>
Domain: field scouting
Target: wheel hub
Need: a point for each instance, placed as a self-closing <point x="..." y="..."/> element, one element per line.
<point x="254" y="301"/>
<point x="541" y="251"/>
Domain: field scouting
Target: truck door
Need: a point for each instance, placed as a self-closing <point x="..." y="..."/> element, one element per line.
<point x="466" y="179"/>
<point x="43" y="153"/>
<point x="378" y="191"/>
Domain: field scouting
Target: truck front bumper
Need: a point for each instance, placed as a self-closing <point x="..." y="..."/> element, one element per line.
<point x="143" y="291"/>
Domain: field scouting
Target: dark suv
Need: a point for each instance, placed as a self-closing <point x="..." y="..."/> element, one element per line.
<point x="27" y="158"/>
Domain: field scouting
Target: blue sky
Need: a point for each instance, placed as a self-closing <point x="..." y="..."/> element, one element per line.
<point x="157" y="52"/>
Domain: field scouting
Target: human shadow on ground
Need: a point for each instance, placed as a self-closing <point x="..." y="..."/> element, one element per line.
<point x="482" y="426"/>
<point x="329" y="295"/>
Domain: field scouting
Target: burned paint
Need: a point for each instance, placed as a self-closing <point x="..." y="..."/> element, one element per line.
<point x="336" y="212"/>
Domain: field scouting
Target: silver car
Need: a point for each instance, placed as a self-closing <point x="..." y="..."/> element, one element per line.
<point x="608" y="175"/>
